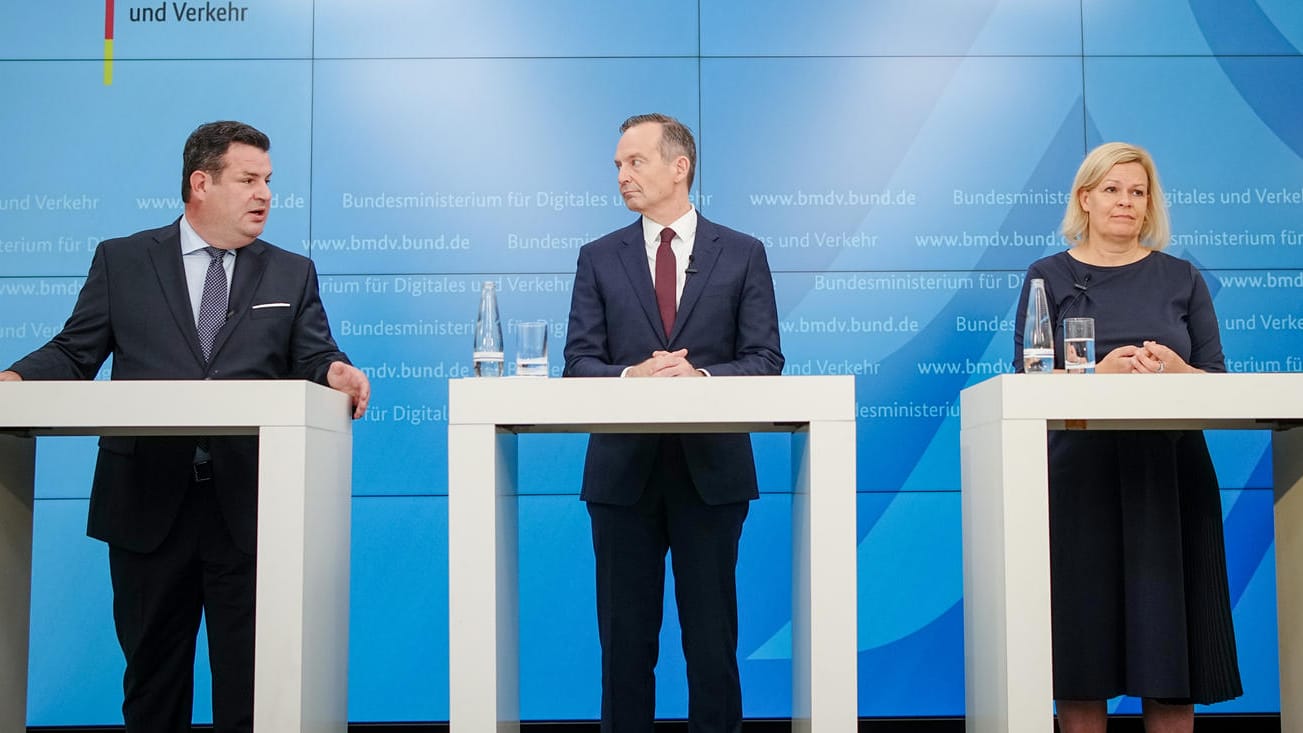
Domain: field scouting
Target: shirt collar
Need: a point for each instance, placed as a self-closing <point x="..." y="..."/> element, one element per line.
<point x="685" y="227"/>
<point x="191" y="242"/>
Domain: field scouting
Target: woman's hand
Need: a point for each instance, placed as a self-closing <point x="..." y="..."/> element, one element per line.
<point x="1155" y="358"/>
<point x="1118" y="361"/>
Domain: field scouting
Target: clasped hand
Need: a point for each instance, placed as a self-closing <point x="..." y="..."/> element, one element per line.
<point x="665" y="364"/>
<point x="1149" y="358"/>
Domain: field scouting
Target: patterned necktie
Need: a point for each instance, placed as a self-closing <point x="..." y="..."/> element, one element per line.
<point x="666" y="277"/>
<point x="212" y="304"/>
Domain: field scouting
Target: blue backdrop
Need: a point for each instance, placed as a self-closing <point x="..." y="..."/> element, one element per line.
<point x="902" y="169"/>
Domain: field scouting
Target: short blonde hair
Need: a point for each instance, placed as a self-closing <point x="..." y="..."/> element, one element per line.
<point x="1155" y="231"/>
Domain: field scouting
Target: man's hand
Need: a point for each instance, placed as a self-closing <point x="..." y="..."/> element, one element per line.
<point x="351" y="381"/>
<point x="8" y="376"/>
<point x="665" y="364"/>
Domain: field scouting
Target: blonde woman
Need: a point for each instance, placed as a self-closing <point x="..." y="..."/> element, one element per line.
<point x="1137" y="564"/>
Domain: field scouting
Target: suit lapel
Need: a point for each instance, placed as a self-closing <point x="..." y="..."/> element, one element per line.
<point x="165" y="254"/>
<point x="633" y="255"/>
<point x="705" y="253"/>
<point x="249" y="266"/>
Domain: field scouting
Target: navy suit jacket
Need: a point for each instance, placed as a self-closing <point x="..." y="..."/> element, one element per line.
<point x="135" y="305"/>
<point x="727" y="320"/>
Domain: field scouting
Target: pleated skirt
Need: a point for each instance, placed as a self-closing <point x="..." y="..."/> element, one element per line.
<point x="1139" y="597"/>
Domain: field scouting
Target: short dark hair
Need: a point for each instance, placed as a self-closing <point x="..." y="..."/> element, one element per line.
<point x="676" y="139"/>
<point x="207" y="145"/>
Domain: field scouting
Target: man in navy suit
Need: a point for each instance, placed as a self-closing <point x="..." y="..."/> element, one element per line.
<point x="671" y="295"/>
<point x="180" y="513"/>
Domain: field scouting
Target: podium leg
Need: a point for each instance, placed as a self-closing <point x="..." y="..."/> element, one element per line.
<point x="483" y="575"/>
<point x="17" y="470"/>
<point x="824" y="621"/>
<point x="1287" y="460"/>
<point x="304" y="525"/>
<point x="1007" y="657"/>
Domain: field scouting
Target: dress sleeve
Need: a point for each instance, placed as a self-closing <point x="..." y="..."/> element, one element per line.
<point x="1201" y="320"/>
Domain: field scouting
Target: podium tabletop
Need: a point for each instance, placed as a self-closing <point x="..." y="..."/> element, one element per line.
<point x="142" y="407"/>
<point x="729" y="404"/>
<point x="1142" y="402"/>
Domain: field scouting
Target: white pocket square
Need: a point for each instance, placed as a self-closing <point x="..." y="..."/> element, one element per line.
<point x="271" y="305"/>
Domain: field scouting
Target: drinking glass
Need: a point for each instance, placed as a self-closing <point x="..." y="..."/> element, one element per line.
<point x="1079" y="345"/>
<point x="531" y="349"/>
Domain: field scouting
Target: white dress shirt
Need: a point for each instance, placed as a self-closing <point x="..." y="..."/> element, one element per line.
<point x="196" y="260"/>
<point x="685" y="234"/>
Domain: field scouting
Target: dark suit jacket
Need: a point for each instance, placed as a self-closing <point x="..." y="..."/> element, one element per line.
<point x="727" y="320"/>
<point x="135" y="305"/>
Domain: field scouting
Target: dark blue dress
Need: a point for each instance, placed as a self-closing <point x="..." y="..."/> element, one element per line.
<point x="1139" y="598"/>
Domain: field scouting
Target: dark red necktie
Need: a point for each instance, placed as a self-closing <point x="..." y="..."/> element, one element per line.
<point x="666" y="277"/>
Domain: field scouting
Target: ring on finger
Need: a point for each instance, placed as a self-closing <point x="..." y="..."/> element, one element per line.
<point x="1161" y="366"/>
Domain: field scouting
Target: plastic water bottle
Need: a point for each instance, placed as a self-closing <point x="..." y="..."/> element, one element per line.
<point x="487" y="354"/>
<point x="1038" y="332"/>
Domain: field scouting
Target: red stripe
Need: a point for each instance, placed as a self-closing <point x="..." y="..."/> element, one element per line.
<point x="108" y="20"/>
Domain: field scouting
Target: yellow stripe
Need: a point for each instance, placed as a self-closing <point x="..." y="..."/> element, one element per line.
<point x="108" y="61"/>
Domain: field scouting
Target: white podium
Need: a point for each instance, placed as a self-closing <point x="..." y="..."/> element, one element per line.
<point x="1007" y="658"/>
<point x="486" y="414"/>
<point x="304" y="474"/>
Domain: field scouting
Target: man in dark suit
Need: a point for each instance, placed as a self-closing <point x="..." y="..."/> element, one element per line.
<point x="671" y="295"/>
<point x="180" y="513"/>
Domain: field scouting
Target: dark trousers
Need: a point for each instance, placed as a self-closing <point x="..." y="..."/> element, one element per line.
<point x="158" y="598"/>
<point x="630" y="543"/>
